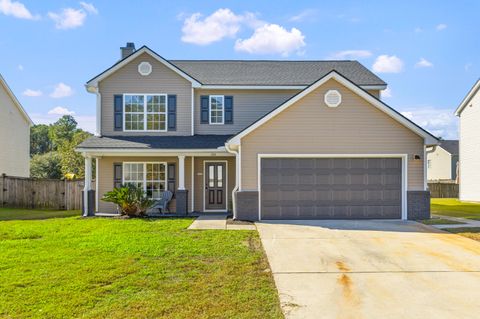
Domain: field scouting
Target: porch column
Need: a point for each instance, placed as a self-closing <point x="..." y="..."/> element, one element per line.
<point x="87" y="200"/>
<point x="181" y="194"/>
<point x="181" y="172"/>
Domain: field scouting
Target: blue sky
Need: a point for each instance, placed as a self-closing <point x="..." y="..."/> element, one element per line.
<point x="427" y="51"/>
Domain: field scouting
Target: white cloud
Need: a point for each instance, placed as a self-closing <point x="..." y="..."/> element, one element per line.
<point x="423" y="63"/>
<point x="220" y="24"/>
<point x="387" y="93"/>
<point x="61" y="90"/>
<point x="351" y="54"/>
<point x="32" y="93"/>
<point x="388" y="64"/>
<point x="89" y="7"/>
<point x="20" y="67"/>
<point x="272" y="39"/>
<point x="440" y="122"/>
<point x="304" y="15"/>
<point x="85" y="122"/>
<point x="59" y="110"/>
<point x="16" y="9"/>
<point x="441" y="26"/>
<point x="68" y="18"/>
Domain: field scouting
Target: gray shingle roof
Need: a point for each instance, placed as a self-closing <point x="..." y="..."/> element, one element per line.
<point x="156" y="142"/>
<point x="211" y="72"/>
<point x="450" y="146"/>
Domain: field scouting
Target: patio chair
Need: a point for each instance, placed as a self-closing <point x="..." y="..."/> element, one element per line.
<point x="162" y="203"/>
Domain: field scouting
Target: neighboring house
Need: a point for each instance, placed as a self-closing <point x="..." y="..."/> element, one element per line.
<point x="283" y="139"/>
<point x="469" y="172"/>
<point x="442" y="161"/>
<point x="14" y="134"/>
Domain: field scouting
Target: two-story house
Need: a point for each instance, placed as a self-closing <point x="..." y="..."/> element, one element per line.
<point x="14" y="148"/>
<point x="442" y="161"/>
<point x="264" y="139"/>
<point x="469" y="173"/>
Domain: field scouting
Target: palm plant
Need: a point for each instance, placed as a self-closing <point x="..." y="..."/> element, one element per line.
<point x="131" y="200"/>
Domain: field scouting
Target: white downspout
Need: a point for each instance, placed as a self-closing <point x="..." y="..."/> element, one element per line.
<point x="237" y="177"/>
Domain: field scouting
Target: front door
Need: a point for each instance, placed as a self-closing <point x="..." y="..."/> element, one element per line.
<point x="215" y="186"/>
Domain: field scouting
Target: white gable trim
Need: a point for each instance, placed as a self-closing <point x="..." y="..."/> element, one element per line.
<point x="429" y="139"/>
<point x="94" y="82"/>
<point x="468" y="97"/>
<point x="15" y="101"/>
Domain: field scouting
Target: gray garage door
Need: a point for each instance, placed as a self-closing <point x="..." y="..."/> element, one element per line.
<point x="331" y="188"/>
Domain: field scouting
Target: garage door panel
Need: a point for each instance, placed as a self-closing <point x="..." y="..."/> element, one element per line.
<point x="331" y="188"/>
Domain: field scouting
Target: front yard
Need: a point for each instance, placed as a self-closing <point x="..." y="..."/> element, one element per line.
<point x="99" y="268"/>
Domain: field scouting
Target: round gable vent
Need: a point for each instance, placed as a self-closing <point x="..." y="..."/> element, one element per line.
<point x="144" y="68"/>
<point x="333" y="98"/>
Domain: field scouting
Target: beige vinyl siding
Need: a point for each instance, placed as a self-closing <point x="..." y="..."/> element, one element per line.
<point x="14" y="138"/>
<point x="161" y="80"/>
<point x="310" y="127"/>
<point x="248" y="106"/>
<point x="470" y="151"/>
<point x="440" y="165"/>
<point x="200" y="183"/>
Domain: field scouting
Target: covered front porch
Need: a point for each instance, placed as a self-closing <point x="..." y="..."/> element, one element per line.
<point x="201" y="182"/>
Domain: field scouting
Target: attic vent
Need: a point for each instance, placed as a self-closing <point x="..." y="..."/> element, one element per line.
<point x="333" y="98"/>
<point x="144" y="68"/>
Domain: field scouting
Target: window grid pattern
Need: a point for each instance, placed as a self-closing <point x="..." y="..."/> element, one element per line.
<point x="216" y="109"/>
<point x="152" y="177"/>
<point x="145" y="112"/>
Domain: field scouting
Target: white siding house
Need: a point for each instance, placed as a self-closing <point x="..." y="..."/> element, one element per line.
<point x="469" y="113"/>
<point x="442" y="161"/>
<point x="14" y="134"/>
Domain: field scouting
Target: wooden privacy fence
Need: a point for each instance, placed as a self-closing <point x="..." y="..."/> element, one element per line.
<point x="21" y="192"/>
<point x="443" y="190"/>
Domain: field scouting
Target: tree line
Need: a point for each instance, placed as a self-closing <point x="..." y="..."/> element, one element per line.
<point x="52" y="149"/>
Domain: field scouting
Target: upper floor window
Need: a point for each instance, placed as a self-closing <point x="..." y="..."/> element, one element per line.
<point x="216" y="109"/>
<point x="145" y="112"/>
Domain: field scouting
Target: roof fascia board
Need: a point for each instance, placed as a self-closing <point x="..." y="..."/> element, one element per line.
<point x="94" y="82"/>
<point x="15" y="101"/>
<point x="468" y="97"/>
<point x="153" y="152"/>
<point x="275" y="87"/>
<point x="428" y="138"/>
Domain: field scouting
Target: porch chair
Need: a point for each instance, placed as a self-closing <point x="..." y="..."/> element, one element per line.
<point x="162" y="203"/>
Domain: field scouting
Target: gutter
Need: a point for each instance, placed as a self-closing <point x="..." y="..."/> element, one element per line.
<point x="237" y="169"/>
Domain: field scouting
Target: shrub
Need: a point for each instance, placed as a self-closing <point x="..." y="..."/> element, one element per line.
<point x="131" y="200"/>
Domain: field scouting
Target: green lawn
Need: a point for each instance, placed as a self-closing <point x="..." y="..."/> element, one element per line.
<point x="453" y="207"/>
<point x="439" y="221"/>
<point x="133" y="268"/>
<point x="24" y="214"/>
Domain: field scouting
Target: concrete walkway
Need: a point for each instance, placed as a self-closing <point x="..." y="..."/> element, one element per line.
<point x="218" y="222"/>
<point x="465" y="222"/>
<point x="372" y="269"/>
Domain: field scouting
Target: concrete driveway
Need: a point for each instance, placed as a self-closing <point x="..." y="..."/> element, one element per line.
<point x="372" y="269"/>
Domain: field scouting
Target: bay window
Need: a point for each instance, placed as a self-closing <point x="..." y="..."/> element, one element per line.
<point x="145" y="112"/>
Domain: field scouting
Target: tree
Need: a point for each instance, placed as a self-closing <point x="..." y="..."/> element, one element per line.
<point x="62" y="130"/>
<point x="40" y="142"/>
<point x="46" y="166"/>
<point x="71" y="161"/>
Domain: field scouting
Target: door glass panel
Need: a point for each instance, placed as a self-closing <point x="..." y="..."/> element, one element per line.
<point x="211" y="176"/>
<point x="220" y="176"/>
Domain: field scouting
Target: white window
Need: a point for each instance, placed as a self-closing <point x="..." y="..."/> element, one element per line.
<point x="152" y="177"/>
<point x="429" y="163"/>
<point x="145" y="112"/>
<point x="216" y="109"/>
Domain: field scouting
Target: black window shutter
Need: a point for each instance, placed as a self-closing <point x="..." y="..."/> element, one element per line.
<point x="204" y="109"/>
<point x="117" y="175"/>
<point x="228" y="114"/>
<point x="171" y="181"/>
<point x="172" y="112"/>
<point x="118" y="112"/>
